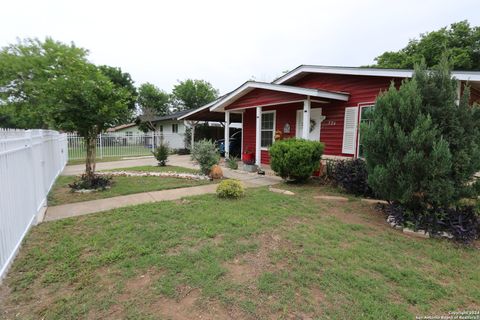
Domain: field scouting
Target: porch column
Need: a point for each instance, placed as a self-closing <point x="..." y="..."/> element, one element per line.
<point x="258" y="134"/>
<point x="306" y="118"/>
<point x="227" y="134"/>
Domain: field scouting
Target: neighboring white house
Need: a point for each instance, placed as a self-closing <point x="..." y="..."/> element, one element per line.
<point x="171" y="129"/>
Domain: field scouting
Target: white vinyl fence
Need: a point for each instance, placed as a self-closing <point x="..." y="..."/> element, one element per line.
<point x="110" y="145"/>
<point x="30" y="161"/>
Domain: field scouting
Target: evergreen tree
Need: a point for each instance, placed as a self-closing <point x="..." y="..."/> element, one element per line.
<point x="422" y="147"/>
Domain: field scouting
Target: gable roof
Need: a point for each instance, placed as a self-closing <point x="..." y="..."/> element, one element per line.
<point x="123" y="126"/>
<point x="301" y="70"/>
<point x="251" y="85"/>
<point x="172" y="116"/>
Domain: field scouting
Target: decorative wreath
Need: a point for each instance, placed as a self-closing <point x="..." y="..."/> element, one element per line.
<point x="313" y="123"/>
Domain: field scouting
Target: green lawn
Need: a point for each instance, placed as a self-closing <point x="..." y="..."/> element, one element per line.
<point x="109" y="159"/>
<point x="61" y="192"/>
<point x="266" y="256"/>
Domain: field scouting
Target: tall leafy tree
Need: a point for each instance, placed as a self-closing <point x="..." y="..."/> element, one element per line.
<point x="26" y="69"/>
<point x="153" y="102"/>
<point x="51" y="84"/>
<point x="460" y="42"/>
<point x="88" y="103"/>
<point x="122" y="80"/>
<point x="191" y="94"/>
<point x="423" y="145"/>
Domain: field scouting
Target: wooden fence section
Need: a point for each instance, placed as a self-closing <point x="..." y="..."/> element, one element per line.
<point x="30" y="161"/>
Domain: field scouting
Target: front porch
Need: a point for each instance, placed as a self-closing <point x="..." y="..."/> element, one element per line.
<point x="272" y="112"/>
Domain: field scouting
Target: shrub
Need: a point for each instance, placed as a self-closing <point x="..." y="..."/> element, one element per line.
<point x="422" y="146"/>
<point x="232" y="163"/>
<point x="161" y="154"/>
<point x="462" y="222"/>
<point x="92" y="182"/>
<point x="231" y="189"/>
<point x="295" y="159"/>
<point x="350" y="175"/>
<point x="206" y="154"/>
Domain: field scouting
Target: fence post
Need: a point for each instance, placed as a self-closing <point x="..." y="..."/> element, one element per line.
<point x="101" y="147"/>
<point x="153" y="141"/>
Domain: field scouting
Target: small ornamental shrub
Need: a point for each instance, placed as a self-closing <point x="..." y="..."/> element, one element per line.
<point x="350" y="175"/>
<point x="462" y="223"/>
<point x="92" y="182"/>
<point x="230" y="189"/>
<point x="232" y="163"/>
<point x="206" y="154"/>
<point x="161" y="154"/>
<point x="295" y="159"/>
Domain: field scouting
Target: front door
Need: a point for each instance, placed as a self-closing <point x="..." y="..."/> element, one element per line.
<point x="315" y="124"/>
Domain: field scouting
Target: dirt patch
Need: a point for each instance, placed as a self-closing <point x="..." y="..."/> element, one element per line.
<point x="359" y="213"/>
<point x="176" y="250"/>
<point x="252" y="264"/>
<point x="192" y="306"/>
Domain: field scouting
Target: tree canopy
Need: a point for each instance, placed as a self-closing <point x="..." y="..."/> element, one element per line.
<point x="121" y="80"/>
<point x="153" y="102"/>
<point x="460" y="42"/>
<point x="26" y="71"/>
<point x="191" y="94"/>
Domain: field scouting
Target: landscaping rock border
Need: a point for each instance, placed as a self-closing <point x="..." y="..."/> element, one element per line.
<point x="169" y="174"/>
<point x="418" y="233"/>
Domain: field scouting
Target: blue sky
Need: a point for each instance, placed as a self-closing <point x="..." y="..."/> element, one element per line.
<point x="228" y="42"/>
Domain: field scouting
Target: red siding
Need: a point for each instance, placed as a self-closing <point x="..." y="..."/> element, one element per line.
<point x="362" y="90"/>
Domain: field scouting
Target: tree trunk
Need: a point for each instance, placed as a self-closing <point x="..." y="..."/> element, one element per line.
<point x="91" y="146"/>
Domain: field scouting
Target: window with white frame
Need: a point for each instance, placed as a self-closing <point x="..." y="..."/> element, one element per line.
<point x="267" y="129"/>
<point x="160" y="128"/>
<point x="175" y="127"/>
<point x="365" y="119"/>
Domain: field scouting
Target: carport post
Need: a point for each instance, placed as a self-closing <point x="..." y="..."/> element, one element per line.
<point x="227" y="134"/>
<point x="306" y="118"/>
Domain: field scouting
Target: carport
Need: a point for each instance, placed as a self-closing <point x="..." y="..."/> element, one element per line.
<point x="204" y="114"/>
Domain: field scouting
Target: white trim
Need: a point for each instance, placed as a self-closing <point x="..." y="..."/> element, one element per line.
<point x="258" y="125"/>
<point x="198" y="109"/>
<point x="226" y="142"/>
<point x="248" y="86"/>
<point x="241" y="142"/>
<point x="306" y="119"/>
<point x="274" y="128"/>
<point x="394" y="73"/>
<point x="361" y="105"/>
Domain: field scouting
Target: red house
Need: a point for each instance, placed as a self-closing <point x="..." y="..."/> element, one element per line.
<point x="320" y="103"/>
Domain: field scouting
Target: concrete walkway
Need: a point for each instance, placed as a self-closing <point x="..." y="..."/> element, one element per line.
<point x="86" y="207"/>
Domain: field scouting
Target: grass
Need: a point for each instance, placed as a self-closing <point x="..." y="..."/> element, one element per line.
<point x="266" y="256"/>
<point x="61" y="192"/>
<point x="109" y="159"/>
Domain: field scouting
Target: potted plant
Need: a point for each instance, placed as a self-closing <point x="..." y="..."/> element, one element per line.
<point x="248" y="157"/>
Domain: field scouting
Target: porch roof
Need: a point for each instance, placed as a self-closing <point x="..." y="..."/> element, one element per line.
<point x="223" y="102"/>
<point x="204" y="114"/>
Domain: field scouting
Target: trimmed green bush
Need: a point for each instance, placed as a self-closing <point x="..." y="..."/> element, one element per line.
<point x="230" y="189"/>
<point x="206" y="154"/>
<point x="161" y="154"/>
<point x="295" y="159"/>
<point x="232" y="163"/>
